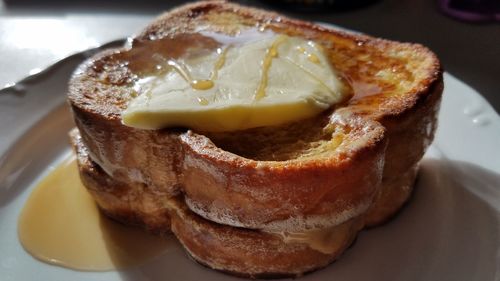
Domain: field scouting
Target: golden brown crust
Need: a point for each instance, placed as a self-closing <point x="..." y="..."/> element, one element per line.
<point x="409" y="136"/>
<point x="253" y="253"/>
<point x="244" y="252"/>
<point x="300" y="193"/>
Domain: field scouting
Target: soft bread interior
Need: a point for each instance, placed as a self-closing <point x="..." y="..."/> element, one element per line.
<point x="299" y="140"/>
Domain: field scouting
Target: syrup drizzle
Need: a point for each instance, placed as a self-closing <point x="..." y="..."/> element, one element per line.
<point x="311" y="57"/>
<point x="200" y="84"/>
<point x="271" y="53"/>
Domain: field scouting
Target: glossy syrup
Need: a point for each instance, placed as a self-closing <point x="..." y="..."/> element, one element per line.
<point x="271" y="53"/>
<point x="60" y="224"/>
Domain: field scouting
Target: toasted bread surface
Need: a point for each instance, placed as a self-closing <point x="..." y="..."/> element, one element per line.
<point x="389" y="80"/>
<point x="244" y="252"/>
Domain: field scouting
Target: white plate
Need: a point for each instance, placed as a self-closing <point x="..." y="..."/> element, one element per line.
<point x="450" y="230"/>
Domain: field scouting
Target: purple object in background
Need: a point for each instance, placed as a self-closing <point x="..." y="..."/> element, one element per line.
<point x="471" y="10"/>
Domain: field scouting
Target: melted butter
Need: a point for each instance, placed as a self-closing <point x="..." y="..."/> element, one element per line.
<point x="326" y="240"/>
<point x="271" y="53"/>
<point x="60" y="224"/>
<point x="249" y="80"/>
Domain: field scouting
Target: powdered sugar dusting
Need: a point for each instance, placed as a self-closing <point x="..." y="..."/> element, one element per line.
<point x="295" y="223"/>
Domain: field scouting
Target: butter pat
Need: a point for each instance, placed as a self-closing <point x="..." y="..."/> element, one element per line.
<point x="265" y="82"/>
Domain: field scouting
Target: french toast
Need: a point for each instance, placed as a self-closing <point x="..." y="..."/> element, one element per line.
<point x="235" y="250"/>
<point x="238" y="200"/>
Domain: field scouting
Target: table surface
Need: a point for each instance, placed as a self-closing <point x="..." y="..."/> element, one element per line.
<point x="33" y="36"/>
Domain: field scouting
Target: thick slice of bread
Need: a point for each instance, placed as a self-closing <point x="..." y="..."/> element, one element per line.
<point x="239" y="251"/>
<point x="355" y="160"/>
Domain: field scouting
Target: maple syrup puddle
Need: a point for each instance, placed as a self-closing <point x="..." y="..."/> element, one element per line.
<point x="60" y="224"/>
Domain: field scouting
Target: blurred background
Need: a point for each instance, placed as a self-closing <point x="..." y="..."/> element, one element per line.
<point x="35" y="33"/>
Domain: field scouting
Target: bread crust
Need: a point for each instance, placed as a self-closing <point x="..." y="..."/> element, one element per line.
<point x="294" y="194"/>
<point x="239" y="251"/>
<point x="411" y="134"/>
